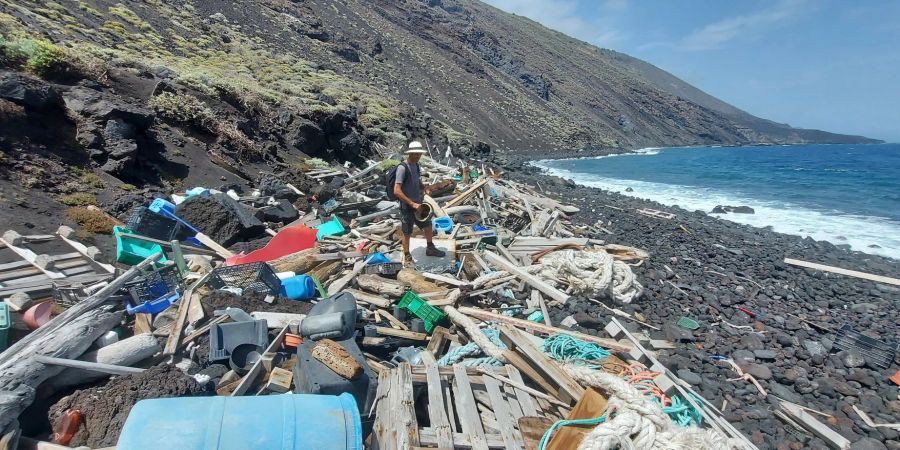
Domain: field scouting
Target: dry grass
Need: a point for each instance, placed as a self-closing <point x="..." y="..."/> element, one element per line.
<point x="91" y="221"/>
<point x="78" y="199"/>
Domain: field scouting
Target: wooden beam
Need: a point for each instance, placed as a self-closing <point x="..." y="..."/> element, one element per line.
<point x="257" y="367"/>
<point x="532" y="280"/>
<point x="831" y="437"/>
<point x="181" y="316"/>
<point x="609" y="344"/>
<point x="412" y="335"/>
<point x="567" y="389"/>
<point x="848" y="272"/>
<point x="87" y="365"/>
<point x="466" y="409"/>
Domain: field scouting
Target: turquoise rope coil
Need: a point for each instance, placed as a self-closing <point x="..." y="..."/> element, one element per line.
<point x="563" y="347"/>
<point x="545" y="439"/>
<point x="464" y="354"/>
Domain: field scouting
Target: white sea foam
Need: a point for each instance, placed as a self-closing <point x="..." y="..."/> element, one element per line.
<point x="860" y="232"/>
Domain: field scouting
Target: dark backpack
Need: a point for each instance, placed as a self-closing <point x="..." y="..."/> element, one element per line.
<point x="390" y="179"/>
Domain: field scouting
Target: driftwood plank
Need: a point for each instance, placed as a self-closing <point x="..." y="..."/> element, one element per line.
<point x="467" y="410"/>
<point x="505" y="420"/>
<point x="436" y="411"/>
<point x="848" y="272"/>
<point x="567" y="388"/>
<point x="529" y="406"/>
<point x="403" y="408"/>
<point x="384" y="439"/>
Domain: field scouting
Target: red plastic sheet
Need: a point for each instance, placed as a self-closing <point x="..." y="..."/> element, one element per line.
<point x="288" y="240"/>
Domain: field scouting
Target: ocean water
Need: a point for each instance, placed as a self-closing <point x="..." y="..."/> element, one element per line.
<point x="844" y="194"/>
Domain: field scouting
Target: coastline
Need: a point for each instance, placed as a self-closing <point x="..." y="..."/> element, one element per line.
<point x="872" y="234"/>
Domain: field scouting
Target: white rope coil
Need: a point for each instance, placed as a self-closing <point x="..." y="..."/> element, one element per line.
<point x="638" y="423"/>
<point x="589" y="273"/>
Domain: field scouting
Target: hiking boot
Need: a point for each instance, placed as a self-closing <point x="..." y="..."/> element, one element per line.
<point x="408" y="261"/>
<point x="431" y="250"/>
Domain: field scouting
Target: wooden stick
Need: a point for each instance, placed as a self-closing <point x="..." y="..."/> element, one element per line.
<point x="209" y="242"/>
<point x="533" y="281"/>
<point x="522" y="387"/>
<point x="412" y="335"/>
<point x="87" y="365"/>
<point x="610" y="344"/>
<point x="838" y="270"/>
<point x="181" y="317"/>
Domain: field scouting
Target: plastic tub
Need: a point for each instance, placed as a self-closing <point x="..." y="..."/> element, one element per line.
<point x="442" y="224"/>
<point x="298" y="287"/>
<point x="133" y="251"/>
<point x="289" y="421"/>
<point x="331" y="228"/>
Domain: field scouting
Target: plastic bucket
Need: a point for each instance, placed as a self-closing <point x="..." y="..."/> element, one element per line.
<point x="442" y="224"/>
<point x="289" y="421"/>
<point x="298" y="287"/>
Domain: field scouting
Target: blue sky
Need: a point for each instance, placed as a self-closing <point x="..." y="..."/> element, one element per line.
<point x="827" y="64"/>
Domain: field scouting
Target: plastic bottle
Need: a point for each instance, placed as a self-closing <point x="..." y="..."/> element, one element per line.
<point x="66" y="426"/>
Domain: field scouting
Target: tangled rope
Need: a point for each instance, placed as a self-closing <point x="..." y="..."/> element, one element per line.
<point x="563" y="347"/>
<point x="589" y="273"/>
<point x="463" y="354"/>
<point x="636" y="422"/>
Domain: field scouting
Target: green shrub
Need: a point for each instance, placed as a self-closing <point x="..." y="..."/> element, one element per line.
<point x="78" y="199"/>
<point x="183" y="108"/>
<point x="91" y="179"/>
<point x="49" y="60"/>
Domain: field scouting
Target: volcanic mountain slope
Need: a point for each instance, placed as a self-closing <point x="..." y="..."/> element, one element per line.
<point x="478" y="72"/>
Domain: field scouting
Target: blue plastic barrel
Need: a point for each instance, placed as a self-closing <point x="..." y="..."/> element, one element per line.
<point x="272" y="422"/>
<point x="298" y="287"/>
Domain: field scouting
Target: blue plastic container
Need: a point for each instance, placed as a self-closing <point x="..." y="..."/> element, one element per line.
<point x="162" y="206"/>
<point x="331" y="228"/>
<point x="272" y="422"/>
<point x="442" y="224"/>
<point x="298" y="287"/>
<point x="154" y="306"/>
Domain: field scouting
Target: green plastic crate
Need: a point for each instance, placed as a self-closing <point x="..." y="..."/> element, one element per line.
<point x="5" y="324"/>
<point x="421" y="309"/>
<point x="133" y="251"/>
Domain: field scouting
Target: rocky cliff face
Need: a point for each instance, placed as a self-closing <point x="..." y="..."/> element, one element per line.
<point x="450" y="70"/>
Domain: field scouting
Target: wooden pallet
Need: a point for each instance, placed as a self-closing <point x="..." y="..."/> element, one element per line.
<point x="37" y="274"/>
<point x="465" y="411"/>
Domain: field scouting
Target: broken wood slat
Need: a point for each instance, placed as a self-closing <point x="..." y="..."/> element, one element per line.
<point x="532" y="280"/>
<point x="411" y="335"/>
<point x="468" y="192"/>
<point x="371" y="299"/>
<point x="505" y="420"/>
<point x="395" y="323"/>
<point x="249" y="379"/>
<point x="181" y="316"/>
<point x="402" y="407"/>
<point x="467" y="410"/>
<point x="428" y="437"/>
<point x="65" y="232"/>
<point x="204" y="329"/>
<point x="655" y="213"/>
<point x="215" y="246"/>
<point x="609" y="344"/>
<point x="384" y="439"/>
<point x="521" y="385"/>
<point x="838" y="270"/>
<point x="142" y="323"/>
<point x="568" y="389"/>
<point x="436" y="411"/>
<point x="446" y="279"/>
<point x="831" y="437"/>
<point x="528" y="405"/>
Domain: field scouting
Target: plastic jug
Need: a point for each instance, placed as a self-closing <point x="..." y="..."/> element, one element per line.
<point x="298" y="287"/>
<point x="272" y="422"/>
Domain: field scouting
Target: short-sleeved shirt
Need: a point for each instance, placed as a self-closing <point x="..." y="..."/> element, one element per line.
<point x="412" y="188"/>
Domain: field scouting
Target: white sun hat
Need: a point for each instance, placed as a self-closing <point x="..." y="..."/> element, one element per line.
<point x="415" y="147"/>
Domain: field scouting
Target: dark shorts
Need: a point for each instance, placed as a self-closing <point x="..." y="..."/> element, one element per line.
<point x="408" y="218"/>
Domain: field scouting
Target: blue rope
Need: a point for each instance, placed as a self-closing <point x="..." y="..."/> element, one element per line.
<point x="459" y="355"/>
<point x="545" y="439"/>
<point x="563" y="347"/>
<point x="682" y="413"/>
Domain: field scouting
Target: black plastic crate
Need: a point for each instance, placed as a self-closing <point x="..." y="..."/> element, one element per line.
<point x="252" y="277"/>
<point x="879" y="353"/>
<point x="148" y="223"/>
<point x="155" y="284"/>
<point x="389" y="269"/>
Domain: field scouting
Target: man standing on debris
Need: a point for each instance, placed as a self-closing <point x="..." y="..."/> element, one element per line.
<point x="410" y="190"/>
